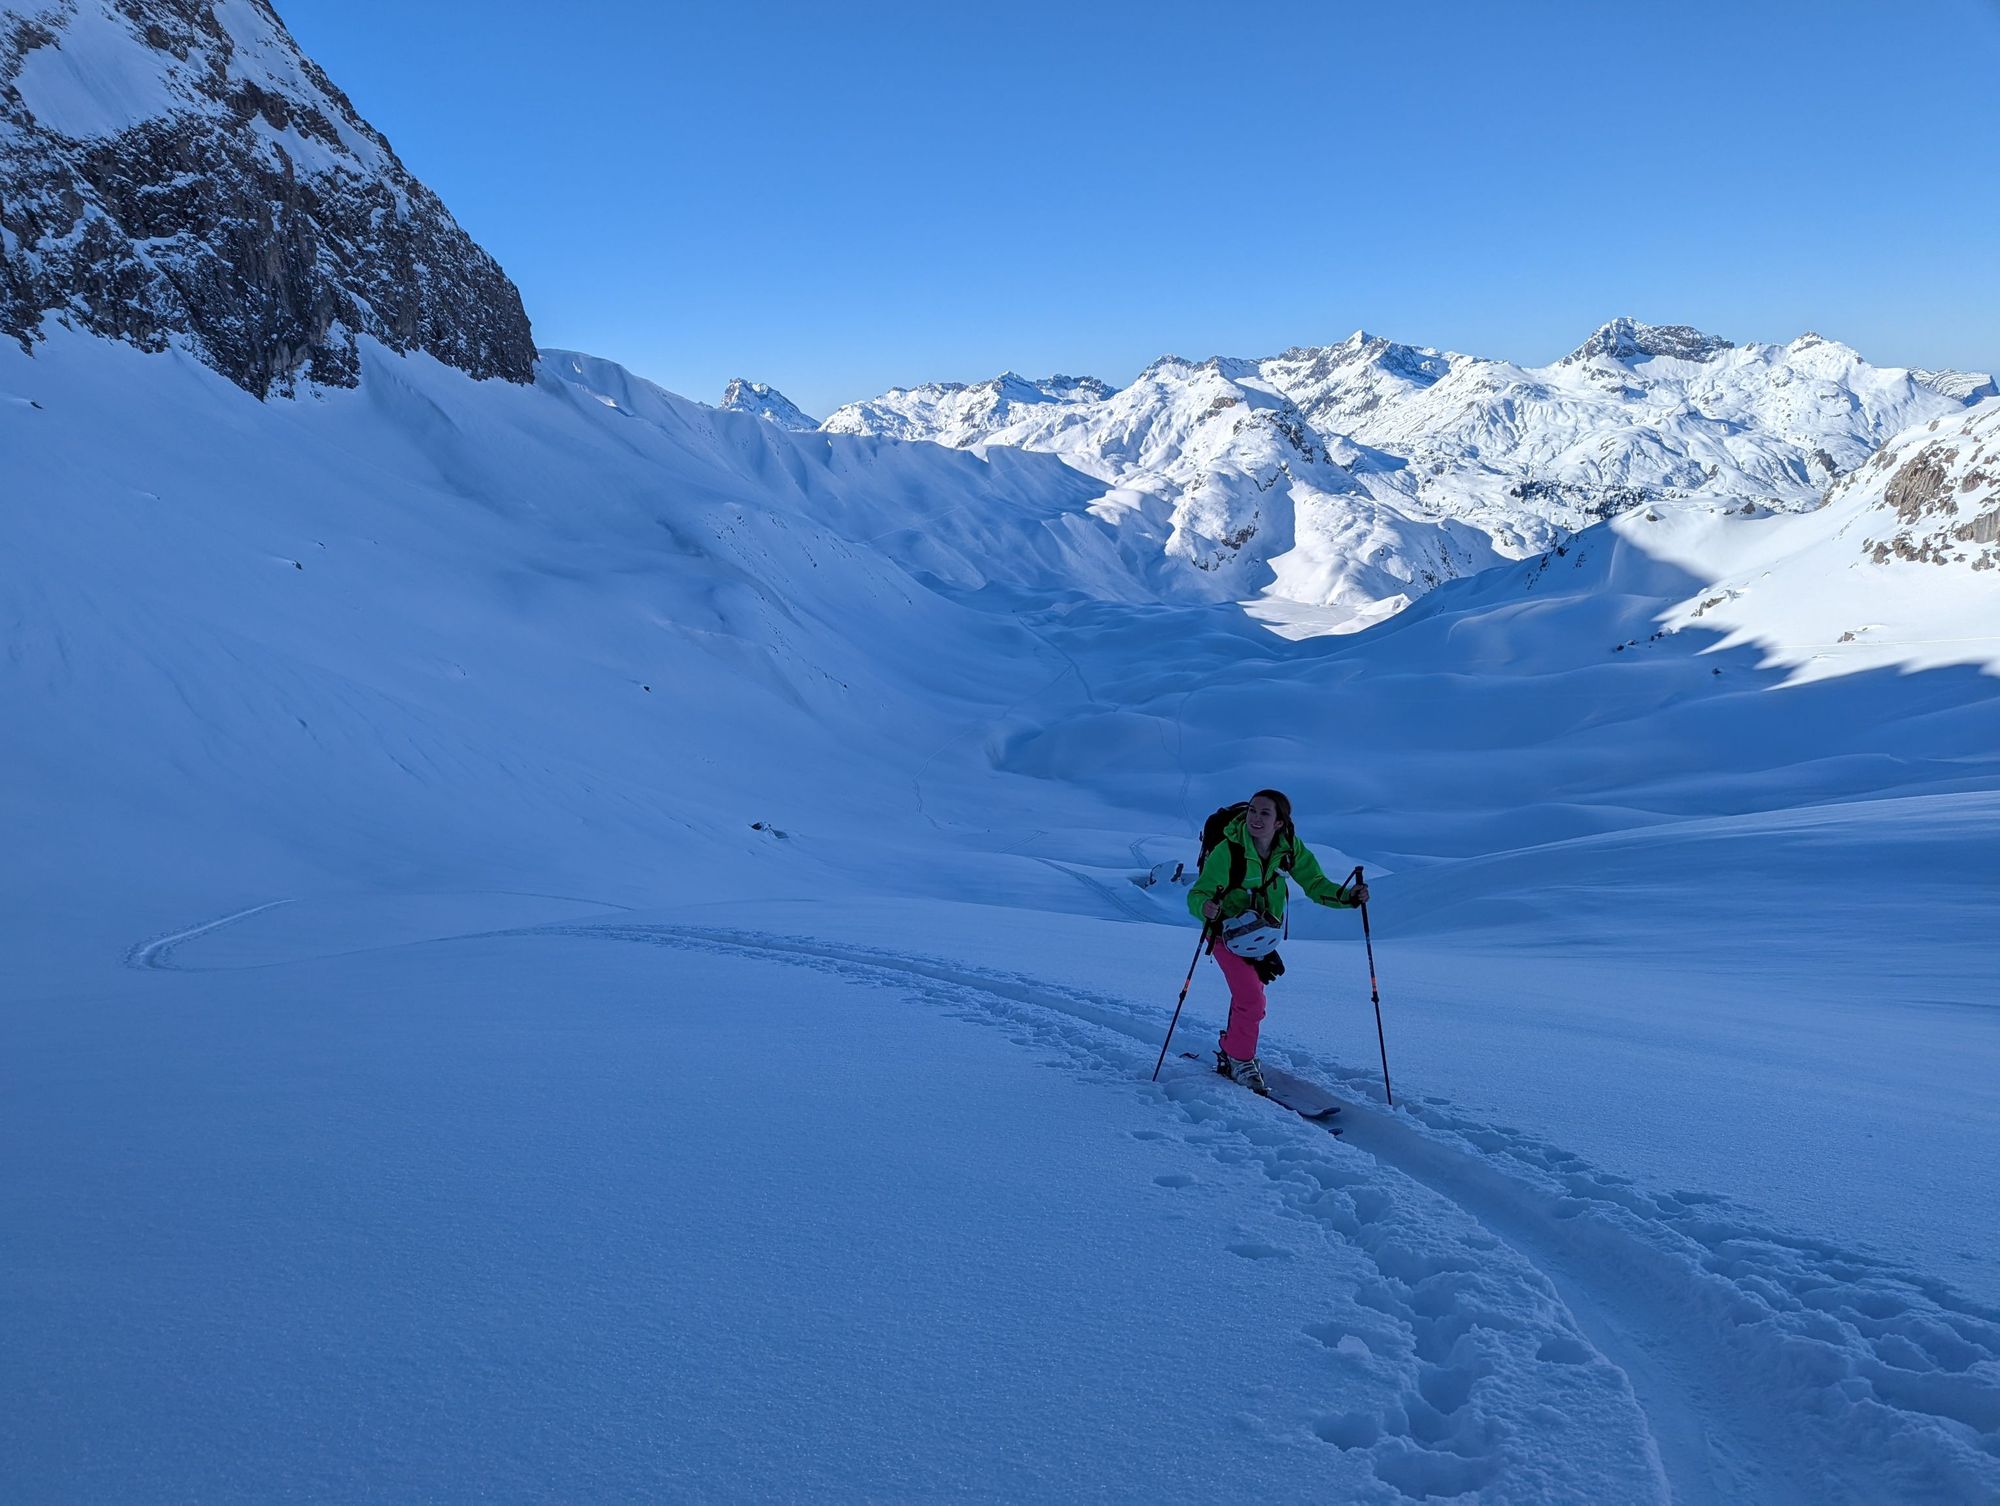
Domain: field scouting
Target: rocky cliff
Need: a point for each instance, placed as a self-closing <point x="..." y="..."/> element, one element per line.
<point x="174" y="171"/>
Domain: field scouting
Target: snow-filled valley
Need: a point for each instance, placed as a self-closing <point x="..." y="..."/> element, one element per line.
<point x="562" y="943"/>
<point x="559" y="936"/>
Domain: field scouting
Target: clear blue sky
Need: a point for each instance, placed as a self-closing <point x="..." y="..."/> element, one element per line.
<point x="841" y="197"/>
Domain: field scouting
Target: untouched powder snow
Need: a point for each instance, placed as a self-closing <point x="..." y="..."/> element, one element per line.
<point x="566" y="943"/>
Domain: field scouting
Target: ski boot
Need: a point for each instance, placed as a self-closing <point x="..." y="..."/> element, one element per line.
<point x="1242" y="1069"/>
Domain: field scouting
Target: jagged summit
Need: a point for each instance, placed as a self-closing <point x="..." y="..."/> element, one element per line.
<point x="1338" y="386"/>
<point x="1630" y="340"/>
<point x="767" y="403"/>
<point x="1362" y="346"/>
<point x="173" y="171"/>
<point x="955" y="413"/>
<point x="1058" y="388"/>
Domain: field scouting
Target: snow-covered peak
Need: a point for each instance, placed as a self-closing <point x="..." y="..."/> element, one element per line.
<point x="957" y="414"/>
<point x="1356" y="476"/>
<point x="253" y="216"/>
<point x="1337" y="386"/>
<point x="767" y="403"/>
<point x="1418" y="365"/>
<point x="1630" y="340"/>
<point x="1960" y="386"/>
<point x="1069" y="389"/>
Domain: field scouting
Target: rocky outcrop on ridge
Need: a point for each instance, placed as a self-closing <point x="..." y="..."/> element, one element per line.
<point x="766" y="402"/>
<point x="1933" y="493"/>
<point x="177" y="172"/>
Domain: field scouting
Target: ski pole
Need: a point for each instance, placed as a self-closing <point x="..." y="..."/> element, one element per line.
<point x="1182" y="999"/>
<point x="1374" y="993"/>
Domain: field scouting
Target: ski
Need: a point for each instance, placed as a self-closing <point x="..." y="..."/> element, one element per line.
<point x="1306" y="1099"/>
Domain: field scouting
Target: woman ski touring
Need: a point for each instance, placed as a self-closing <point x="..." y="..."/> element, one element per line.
<point x="1240" y="893"/>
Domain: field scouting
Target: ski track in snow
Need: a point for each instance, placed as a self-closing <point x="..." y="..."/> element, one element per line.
<point x="1119" y="896"/>
<point x="1770" y="1367"/>
<point x="157" y="953"/>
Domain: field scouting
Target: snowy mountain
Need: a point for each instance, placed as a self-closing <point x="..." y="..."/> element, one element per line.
<point x="1961" y="386"/>
<point x="1338" y="386"/>
<point x="953" y="413"/>
<point x="1897" y="570"/>
<point x="1447" y="463"/>
<point x="567" y="943"/>
<point x="1941" y="482"/>
<point x="766" y="403"/>
<point x="175" y="173"/>
<point x="1220" y="489"/>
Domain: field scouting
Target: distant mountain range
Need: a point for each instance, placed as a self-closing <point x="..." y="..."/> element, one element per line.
<point x="181" y="176"/>
<point x="1348" y="479"/>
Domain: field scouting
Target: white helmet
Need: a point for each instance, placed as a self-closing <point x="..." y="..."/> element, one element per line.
<point x="1251" y="935"/>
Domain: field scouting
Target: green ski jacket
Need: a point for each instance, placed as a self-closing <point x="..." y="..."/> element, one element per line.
<point x="1263" y="885"/>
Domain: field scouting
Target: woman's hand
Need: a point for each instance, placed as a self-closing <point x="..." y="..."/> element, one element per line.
<point x="1210" y="909"/>
<point x="1357" y="894"/>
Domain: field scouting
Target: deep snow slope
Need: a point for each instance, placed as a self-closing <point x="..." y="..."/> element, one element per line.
<point x="432" y="622"/>
<point x="594" y="672"/>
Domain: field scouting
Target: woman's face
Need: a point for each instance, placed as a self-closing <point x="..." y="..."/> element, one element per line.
<point x="1262" y="821"/>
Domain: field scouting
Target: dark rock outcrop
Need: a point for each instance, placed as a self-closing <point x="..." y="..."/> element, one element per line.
<point x="213" y="188"/>
<point x="1629" y="340"/>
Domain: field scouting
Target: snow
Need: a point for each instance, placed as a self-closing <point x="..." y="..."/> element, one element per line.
<point x="566" y="943"/>
<point x="766" y="403"/>
<point x="1350" y="479"/>
<point x="99" y="77"/>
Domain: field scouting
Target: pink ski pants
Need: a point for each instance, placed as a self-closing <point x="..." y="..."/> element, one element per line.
<point x="1246" y="1003"/>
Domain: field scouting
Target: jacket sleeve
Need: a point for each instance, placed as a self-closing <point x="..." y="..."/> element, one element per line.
<point x="1208" y="884"/>
<point x="1312" y="878"/>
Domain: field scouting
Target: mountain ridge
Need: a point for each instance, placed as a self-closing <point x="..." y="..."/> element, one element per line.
<point x="1446" y="462"/>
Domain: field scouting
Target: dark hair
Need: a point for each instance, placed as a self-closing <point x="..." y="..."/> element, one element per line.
<point x="1282" y="801"/>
